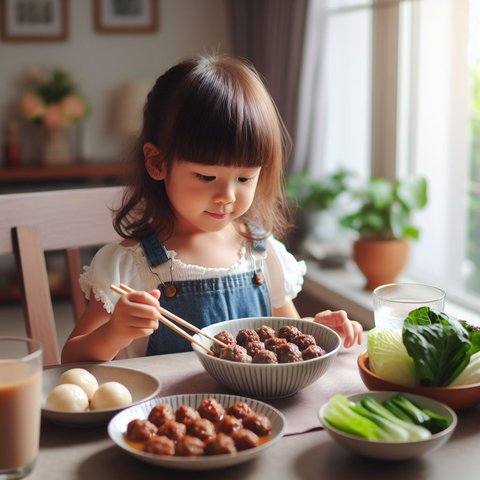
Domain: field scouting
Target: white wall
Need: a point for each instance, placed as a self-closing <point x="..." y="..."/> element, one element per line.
<point x="102" y="62"/>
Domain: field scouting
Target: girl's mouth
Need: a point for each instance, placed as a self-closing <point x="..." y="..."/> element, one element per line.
<point x="218" y="216"/>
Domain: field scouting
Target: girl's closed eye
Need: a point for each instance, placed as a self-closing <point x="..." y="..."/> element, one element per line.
<point x="205" y="178"/>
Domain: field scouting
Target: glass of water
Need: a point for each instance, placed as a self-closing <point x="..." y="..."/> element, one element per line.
<point x="393" y="302"/>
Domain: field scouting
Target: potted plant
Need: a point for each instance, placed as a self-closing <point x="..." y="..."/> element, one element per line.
<point x="382" y="220"/>
<point x="312" y="201"/>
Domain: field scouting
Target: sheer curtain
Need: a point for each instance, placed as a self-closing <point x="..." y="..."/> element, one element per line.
<point x="270" y="34"/>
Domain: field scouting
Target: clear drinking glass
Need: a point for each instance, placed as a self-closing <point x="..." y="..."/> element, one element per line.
<point x="21" y="370"/>
<point x="393" y="302"/>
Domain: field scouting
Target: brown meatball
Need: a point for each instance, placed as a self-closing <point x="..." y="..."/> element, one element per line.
<point x="160" y="413"/>
<point x="189" y="446"/>
<point x="226" y="337"/>
<point x="160" y="445"/>
<point x="236" y="354"/>
<point x="247" y="335"/>
<point x="303" y="340"/>
<point x="172" y="429"/>
<point x="273" y="343"/>
<point x="265" y="356"/>
<point x="289" y="353"/>
<point x="185" y="414"/>
<point x="240" y="410"/>
<point x="264" y="332"/>
<point x="201" y="428"/>
<point x="288" y="332"/>
<point x="244" y="439"/>
<point x="229" y="424"/>
<point x="220" y="444"/>
<point x="254" y="347"/>
<point x="258" y="423"/>
<point x="313" y="351"/>
<point x="139" y="430"/>
<point x="211" y="409"/>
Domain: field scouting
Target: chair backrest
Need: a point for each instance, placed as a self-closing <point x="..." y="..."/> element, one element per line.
<point x="38" y="222"/>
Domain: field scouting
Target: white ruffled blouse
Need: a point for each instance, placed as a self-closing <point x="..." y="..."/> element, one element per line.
<point x="115" y="263"/>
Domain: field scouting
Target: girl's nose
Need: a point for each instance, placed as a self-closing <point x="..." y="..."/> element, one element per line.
<point x="226" y="194"/>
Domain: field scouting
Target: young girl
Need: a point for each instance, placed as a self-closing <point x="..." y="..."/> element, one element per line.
<point x="199" y="218"/>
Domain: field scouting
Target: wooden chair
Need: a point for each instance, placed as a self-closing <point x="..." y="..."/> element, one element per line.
<point x="34" y="223"/>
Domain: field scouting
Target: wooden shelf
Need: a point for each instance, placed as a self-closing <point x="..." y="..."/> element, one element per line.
<point x="89" y="171"/>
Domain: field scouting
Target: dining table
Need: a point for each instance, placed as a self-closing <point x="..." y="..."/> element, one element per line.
<point x="306" y="451"/>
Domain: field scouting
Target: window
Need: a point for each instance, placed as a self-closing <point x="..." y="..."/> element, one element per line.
<point x="402" y="79"/>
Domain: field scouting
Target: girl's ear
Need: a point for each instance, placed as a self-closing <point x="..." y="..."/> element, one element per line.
<point x="153" y="161"/>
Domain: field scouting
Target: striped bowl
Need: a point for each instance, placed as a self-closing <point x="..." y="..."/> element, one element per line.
<point x="268" y="381"/>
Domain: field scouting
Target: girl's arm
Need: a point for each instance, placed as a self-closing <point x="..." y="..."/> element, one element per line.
<point x="99" y="336"/>
<point x="338" y="321"/>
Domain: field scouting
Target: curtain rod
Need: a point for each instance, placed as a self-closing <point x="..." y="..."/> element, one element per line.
<point x="368" y="6"/>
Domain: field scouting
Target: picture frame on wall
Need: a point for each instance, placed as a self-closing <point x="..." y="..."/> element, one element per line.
<point x="126" y="16"/>
<point x="34" y="20"/>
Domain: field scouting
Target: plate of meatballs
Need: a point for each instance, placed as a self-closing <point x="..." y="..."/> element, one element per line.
<point x="197" y="431"/>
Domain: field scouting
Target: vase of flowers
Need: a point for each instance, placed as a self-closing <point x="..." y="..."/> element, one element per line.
<point x="54" y="103"/>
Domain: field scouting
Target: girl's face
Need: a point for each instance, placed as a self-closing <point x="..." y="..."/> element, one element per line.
<point x="208" y="197"/>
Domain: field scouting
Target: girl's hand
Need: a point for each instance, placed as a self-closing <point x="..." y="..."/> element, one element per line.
<point x="135" y="316"/>
<point x="338" y="321"/>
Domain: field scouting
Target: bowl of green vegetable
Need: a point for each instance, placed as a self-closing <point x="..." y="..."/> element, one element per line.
<point x="434" y="354"/>
<point x="388" y="425"/>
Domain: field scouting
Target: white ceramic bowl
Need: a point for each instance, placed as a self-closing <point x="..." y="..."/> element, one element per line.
<point x="141" y="385"/>
<point x="393" y="450"/>
<point x="263" y="380"/>
<point x="118" y="426"/>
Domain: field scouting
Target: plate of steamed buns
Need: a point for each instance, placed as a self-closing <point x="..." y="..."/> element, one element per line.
<point x="91" y="393"/>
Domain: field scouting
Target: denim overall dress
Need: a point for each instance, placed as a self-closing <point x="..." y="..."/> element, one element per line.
<point x="205" y="301"/>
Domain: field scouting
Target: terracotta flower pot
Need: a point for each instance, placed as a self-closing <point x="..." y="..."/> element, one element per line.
<point x="380" y="261"/>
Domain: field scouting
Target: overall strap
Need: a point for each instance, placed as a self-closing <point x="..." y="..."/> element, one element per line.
<point x="154" y="250"/>
<point x="257" y="230"/>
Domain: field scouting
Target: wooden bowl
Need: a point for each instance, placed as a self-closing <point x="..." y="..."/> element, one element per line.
<point x="458" y="398"/>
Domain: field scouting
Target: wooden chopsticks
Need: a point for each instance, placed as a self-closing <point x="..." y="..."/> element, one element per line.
<point x="123" y="289"/>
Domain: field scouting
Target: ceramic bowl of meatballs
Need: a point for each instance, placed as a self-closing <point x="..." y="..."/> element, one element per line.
<point x="88" y="394"/>
<point x="268" y="357"/>
<point x="197" y="431"/>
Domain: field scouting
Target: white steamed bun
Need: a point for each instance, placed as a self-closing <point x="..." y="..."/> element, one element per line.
<point x="81" y="377"/>
<point x="111" y="395"/>
<point x="67" y="397"/>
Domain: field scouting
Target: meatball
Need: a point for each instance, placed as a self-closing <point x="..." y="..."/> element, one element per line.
<point x="254" y="347"/>
<point x="185" y="414"/>
<point x="244" y="439"/>
<point x="265" y="356"/>
<point x="229" y="424"/>
<point x="289" y="353"/>
<point x="273" y="343"/>
<point x="313" y="351"/>
<point x="139" y="430"/>
<point x="220" y="444"/>
<point x="211" y="409"/>
<point x="160" y="445"/>
<point x="172" y="429"/>
<point x="240" y="410"/>
<point x="247" y="335"/>
<point x="201" y="428"/>
<point x="226" y="337"/>
<point x="303" y="340"/>
<point x="258" y="423"/>
<point x="236" y="354"/>
<point x="288" y="332"/>
<point x="161" y="413"/>
<point x="189" y="446"/>
<point x="265" y="332"/>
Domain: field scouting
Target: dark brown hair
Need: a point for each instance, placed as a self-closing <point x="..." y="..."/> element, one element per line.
<point x="210" y="110"/>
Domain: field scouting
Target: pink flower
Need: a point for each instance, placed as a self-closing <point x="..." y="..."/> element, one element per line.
<point x="53" y="116"/>
<point x="73" y="107"/>
<point x="32" y="106"/>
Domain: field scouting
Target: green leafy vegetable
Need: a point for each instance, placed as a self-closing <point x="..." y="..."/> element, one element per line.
<point x="439" y="345"/>
<point x="471" y="373"/>
<point x="388" y="357"/>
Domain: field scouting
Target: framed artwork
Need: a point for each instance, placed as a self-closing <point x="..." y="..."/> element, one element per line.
<point x="126" y="16"/>
<point x="34" y="20"/>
